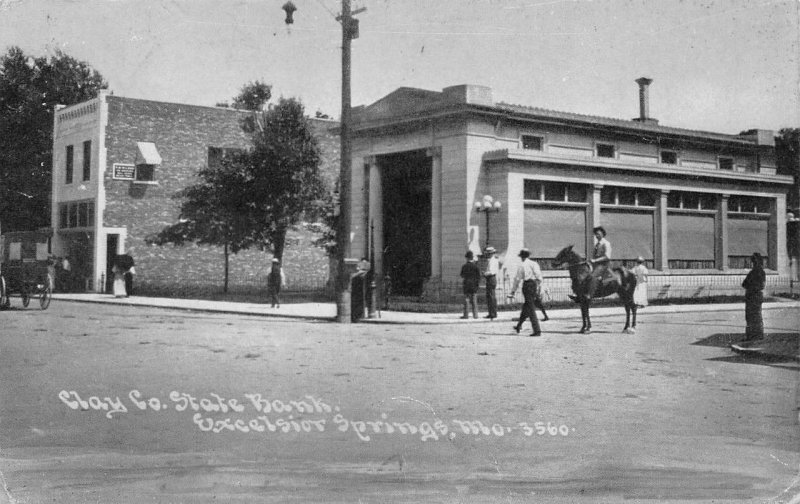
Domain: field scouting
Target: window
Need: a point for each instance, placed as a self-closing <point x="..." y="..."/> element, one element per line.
<point x="691" y="200"/>
<point x="748" y="204"/>
<point x="627" y="196"/>
<point x="70" y="159"/>
<point x="217" y="154"/>
<point x="87" y="160"/>
<point x="532" y="142"/>
<point x="605" y="150"/>
<point x="669" y="157"/>
<point x="726" y="163"/>
<point x="145" y="173"/>
<point x="76" y="214"/>
<point x="554" y="191"/>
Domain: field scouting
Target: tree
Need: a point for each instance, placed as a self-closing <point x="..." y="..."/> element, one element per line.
<point x="253" y="96"/>
<point x="30" y="88"/>
<point x="283" y="176"/>
<point x="787" y="149"/>
<point x="212" y="212"/>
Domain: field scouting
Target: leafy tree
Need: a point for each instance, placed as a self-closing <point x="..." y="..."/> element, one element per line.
<point x="212" y="212"/>
<point x="787" y="148"/>
<point x="30" y="88"/>
<point x="253" y="96"/>
<point x="283" y="176"/>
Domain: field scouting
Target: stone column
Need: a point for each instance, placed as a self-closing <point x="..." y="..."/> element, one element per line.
<point x="721" y="228"/>
<point x="660" y="259"/>
<point x="592" y="218"/>
<point x="435" y="153"/>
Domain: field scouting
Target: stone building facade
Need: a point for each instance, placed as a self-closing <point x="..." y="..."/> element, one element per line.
<point x="694" y="204"/>
<point x="117" y="162"/>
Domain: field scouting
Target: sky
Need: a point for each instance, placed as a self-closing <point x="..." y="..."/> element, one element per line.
<point x="717" y="65"/>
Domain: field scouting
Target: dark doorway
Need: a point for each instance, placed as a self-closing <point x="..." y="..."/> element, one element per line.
<point x="407" y="220"/>
<point x="112" y="241"/>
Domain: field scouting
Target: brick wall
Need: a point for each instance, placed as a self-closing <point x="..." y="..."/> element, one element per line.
<point x="182" y="134"/>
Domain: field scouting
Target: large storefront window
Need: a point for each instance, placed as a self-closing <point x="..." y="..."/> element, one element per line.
<point x="690" y="240"/>
<point x="549" y="229"/>
<point x="631" y="235"/>
<point x="747" y="234"/>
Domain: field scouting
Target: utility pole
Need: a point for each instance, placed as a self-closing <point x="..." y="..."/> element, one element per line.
<point x="345" y="265"/>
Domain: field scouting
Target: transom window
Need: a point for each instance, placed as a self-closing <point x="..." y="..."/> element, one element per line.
<point x="748" y="204"/>
<point x="554" y="191"/>
<point x="691" y="200"/>
<point x="627" y="196"/>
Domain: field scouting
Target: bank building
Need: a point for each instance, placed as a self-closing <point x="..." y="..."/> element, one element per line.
<point x="436" y="173"/>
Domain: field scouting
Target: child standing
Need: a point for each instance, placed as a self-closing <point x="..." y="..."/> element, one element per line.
<point x="640" y="294"/>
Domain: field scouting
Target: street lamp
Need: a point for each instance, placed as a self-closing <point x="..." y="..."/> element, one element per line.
<point x="349" y="32"/>
<point x="487" y="205"/>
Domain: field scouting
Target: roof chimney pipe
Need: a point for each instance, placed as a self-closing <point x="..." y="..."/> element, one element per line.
<point x="644" y="101"/>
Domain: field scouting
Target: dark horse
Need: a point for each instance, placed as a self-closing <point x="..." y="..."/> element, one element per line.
<point x="580" y="272"/>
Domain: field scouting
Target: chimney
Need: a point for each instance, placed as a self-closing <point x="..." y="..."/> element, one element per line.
<point x="644" y="101"/>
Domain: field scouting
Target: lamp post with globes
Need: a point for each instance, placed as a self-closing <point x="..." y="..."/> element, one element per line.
<point x="345" y="266"/>
<point x="488" y="205"/>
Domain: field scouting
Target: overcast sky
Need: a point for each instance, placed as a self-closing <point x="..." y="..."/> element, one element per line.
<point x="717" y="65"/>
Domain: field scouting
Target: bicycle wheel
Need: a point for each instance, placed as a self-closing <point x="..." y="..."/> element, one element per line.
<point x="44" y="298"/>
<point x="4" y="301"/>
<point x="26" y="297"/>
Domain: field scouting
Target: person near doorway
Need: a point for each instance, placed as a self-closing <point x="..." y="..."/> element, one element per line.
<point x="276" y="280"/>
<point x="640" y="292"/>
<point x="129" y="278"/>
<point x="66" y="274"/>
<point x="492" y="270"/>
<point x="529" y="274"/>
<point x="753" y="285"/>
<point x="471" y="275"/>
<point x="119" y="280"/>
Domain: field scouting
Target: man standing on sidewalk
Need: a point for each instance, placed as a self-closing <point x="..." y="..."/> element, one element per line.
<point x="530" y="275"/>
<point x="492" y="270"/>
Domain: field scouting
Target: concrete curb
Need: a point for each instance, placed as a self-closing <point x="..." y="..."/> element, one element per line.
<point x="327" y="311"/>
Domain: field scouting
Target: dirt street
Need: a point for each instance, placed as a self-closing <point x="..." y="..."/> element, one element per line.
<point x="128" y="405"/>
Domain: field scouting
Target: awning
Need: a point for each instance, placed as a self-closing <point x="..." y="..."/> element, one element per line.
<point x="148" y="154"/>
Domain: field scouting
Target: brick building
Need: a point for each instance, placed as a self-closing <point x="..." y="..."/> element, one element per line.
<point x="694" y="204"/>
<point x="117" y="162"/>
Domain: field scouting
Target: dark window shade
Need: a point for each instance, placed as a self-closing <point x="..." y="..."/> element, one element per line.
<point x="630" y="234"/>
<point x="690" y="237"/>
<point x="548" y="230"/>
<point x="746" y="236"/>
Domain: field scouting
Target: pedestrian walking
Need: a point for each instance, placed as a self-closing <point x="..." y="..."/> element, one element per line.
<point x="640" y="293"/>
<point x="529" y="274"/>
<point x="753" y="299"/>
<point x="492" y="270"/>
<point x="471" y="275"/>
<point x="276" y="280"/>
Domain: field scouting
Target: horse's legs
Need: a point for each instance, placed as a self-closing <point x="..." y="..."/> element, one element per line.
<point x="634" y="309"/>
<point x="587" y="324"/>
<point x="627" y="317"/>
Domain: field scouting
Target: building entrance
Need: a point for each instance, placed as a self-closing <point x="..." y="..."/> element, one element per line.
<point x="406" y="180"/>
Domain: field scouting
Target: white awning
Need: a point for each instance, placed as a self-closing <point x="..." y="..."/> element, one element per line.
<point x="148" y="154"/>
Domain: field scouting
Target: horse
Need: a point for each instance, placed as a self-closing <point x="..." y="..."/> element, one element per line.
<point x="580" y="272"/>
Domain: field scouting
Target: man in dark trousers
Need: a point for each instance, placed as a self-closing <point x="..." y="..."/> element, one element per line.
<point x="471" y="274"/>
<point x="492" y="270"/>
<point x="529" y="275"/>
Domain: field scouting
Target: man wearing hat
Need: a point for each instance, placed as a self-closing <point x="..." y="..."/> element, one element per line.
<point x="530" y="275"/>
<point x="275" y="281"/>
<point x="492" y="270"/>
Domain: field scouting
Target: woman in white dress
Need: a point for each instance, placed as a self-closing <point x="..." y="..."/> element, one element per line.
<point x="119" y="281"/>
<point x="640" y="294"/>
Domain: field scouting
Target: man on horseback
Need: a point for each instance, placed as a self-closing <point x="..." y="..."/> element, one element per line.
<point x="600" y="261"/>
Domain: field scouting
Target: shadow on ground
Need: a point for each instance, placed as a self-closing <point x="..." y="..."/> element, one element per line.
<point x="775" y="348"/>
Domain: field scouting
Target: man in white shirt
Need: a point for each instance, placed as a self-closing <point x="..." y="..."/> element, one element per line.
<point x="492" y="270"/>
<point x="529" y="275"/>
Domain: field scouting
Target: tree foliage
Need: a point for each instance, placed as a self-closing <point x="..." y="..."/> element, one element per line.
<point x="283" y="172"/>
<point x="787" y="148"/>
<point x="212" y="212"/>
<point x="253" y="96"/>
<point x="30" y="88"/>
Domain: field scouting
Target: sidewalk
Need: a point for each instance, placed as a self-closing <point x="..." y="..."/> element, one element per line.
<point x="327" y="311"/>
